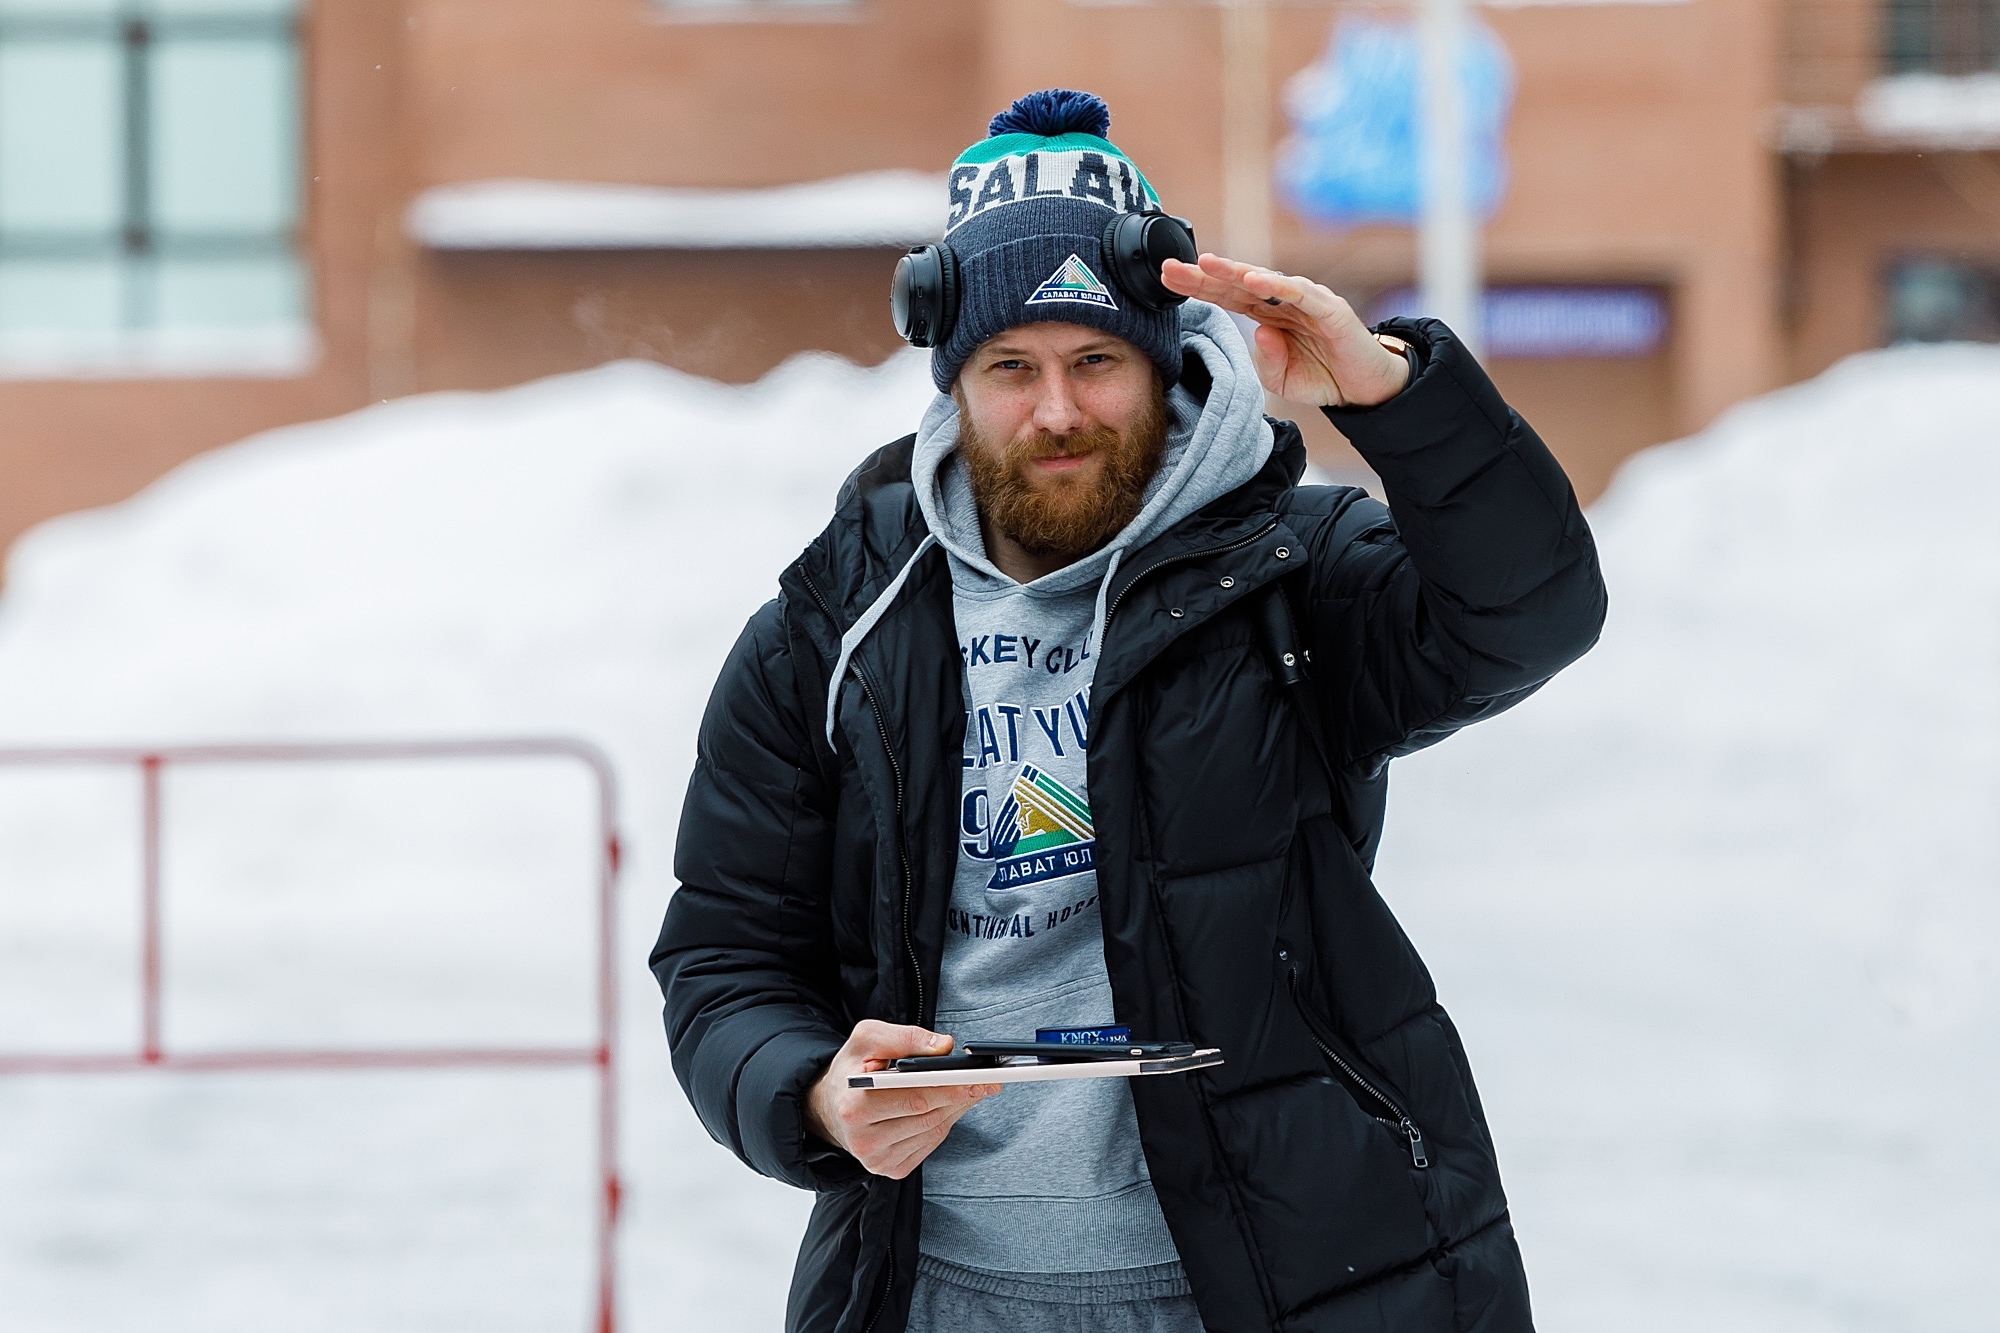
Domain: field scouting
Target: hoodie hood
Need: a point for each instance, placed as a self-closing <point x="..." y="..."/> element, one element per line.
<point x="1214" y="444"/>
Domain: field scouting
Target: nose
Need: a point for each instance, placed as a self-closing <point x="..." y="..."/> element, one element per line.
<point x="1056" y="409"/>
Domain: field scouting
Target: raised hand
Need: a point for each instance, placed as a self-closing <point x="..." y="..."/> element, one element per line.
<point x="888" y="1130"/>
<point x="1310" y="346"/>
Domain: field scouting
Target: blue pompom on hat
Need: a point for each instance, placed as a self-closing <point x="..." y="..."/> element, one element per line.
<point x="1029" y="204"/>
<point x="1053" y="111"/>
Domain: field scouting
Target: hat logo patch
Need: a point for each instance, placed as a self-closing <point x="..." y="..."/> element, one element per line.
<point x="1073" y="281"/>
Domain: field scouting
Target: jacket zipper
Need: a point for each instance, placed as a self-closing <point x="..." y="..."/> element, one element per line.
<point x="1419" y="1155"/>
<point x="903" y="856"/>
<point x="1158" y="565"/>
<point x="896" y="768"/>
<point x="882" y="1301"/>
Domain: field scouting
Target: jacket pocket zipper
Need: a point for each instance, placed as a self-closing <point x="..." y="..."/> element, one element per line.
<point x="1329" y="1047"/>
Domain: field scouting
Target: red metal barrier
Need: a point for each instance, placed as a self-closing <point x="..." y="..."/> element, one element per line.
<point x="151" y="1053"/>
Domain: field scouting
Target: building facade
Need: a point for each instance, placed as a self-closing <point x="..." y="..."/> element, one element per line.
<point x="218" y="216"/>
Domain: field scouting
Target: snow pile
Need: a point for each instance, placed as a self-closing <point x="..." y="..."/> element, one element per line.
<point x="1942" y="110"/>
<point x="1716" y="909"/>
<point x="887" y="208"/>
<point x="574" y="556"/>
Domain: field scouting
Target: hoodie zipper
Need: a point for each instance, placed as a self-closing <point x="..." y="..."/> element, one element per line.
<point x="1158" y="565"/>
<point x="1419" y="1155"/>
<point x="896" y="768"/>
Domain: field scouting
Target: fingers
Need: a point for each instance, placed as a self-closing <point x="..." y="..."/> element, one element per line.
<point x="873" y="1039"/>
<point x="1273" y="354"/>
<point x="1264" y="294"/>
<point x="1196" y="282"/>
<point x="865" y="1109"/>
<point x="903" y="1103"/>
<point x="906" y="1154"/>
<point x="894" y="1146"/>
<point x="888" y="1130"/>
<point x="1276" y="290"/>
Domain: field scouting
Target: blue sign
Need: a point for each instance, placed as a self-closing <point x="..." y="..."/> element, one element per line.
<point x="1549" y="322"/>
<point x="1356" y="151"/>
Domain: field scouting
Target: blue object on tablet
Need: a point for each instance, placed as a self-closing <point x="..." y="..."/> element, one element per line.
<point x="1108" y="1036"/>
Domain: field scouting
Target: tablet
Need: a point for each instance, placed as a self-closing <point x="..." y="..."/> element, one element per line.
<point x="1029" y="1069"/>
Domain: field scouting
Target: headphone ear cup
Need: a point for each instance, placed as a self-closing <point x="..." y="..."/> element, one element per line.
<point x="947" y="294"/>
<point x="923" y="295"/>
<point x="1138" y="243"/>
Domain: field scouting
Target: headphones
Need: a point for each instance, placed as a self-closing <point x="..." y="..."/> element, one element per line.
<point x="923" y="296"/>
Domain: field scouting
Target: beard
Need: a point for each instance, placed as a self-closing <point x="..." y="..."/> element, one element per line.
<point x="1065" y="516"/>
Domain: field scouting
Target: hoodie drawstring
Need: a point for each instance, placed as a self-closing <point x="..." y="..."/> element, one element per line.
<point x="1096" y="641"/>
<point x="879" y="608"/>
<point x="860" y="629"/>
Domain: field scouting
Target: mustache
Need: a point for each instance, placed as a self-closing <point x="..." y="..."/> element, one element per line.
<point x="1075" y="444"/>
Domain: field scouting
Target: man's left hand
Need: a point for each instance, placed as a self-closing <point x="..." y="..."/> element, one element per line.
<point x="1310" y="347"/>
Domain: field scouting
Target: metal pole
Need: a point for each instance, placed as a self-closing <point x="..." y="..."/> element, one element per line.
<point x="149" y="910"/>
<point x="607" y="1049"/>
<point x="1246" y="131"/>
<point x="602" y="1055"/>
<point x="1448" y="243"/>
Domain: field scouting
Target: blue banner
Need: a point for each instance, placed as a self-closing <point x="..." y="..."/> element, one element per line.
<point x="1356" y="151"/>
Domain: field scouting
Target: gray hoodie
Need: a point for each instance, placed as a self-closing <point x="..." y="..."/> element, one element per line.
<point x="1048" y="1178"/>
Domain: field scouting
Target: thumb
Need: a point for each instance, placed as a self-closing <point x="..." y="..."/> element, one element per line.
<point x="1272" y="353"/>
<point x="877" y="1040"/>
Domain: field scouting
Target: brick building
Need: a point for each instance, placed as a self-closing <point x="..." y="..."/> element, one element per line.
<point x="222" y="215"/>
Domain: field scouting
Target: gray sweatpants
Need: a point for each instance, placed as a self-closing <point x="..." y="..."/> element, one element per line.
<point x="951" y="1298"/>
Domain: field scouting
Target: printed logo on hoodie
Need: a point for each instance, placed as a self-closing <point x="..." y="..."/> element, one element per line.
<point x="1041" y="832"/>
<point x="1023" y="809"/>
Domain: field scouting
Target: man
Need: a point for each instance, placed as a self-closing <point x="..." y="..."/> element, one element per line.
<point x="1078" y="714"/>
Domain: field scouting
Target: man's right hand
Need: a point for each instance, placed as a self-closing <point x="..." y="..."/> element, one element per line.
<point x="888" y="1130"/>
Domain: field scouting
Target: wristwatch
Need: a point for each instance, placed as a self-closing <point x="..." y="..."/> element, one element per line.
<point x="1408" y="351"/>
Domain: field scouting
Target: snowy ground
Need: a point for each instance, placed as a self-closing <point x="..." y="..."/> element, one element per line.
<point x="1717" y="911"/>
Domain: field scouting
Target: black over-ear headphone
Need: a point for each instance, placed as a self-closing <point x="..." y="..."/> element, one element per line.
<point x="923" y="296"/>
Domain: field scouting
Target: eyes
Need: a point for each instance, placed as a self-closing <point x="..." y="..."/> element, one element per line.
<point x="1087" y="361"/>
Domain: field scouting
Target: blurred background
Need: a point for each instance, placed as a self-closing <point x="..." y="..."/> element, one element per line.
<point x="472" y="367"/>
<point x="218" y="216"/>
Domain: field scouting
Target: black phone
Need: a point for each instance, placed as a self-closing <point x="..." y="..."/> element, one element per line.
<point x="1066" y="1052"/>
<point x="931" y="1064"/>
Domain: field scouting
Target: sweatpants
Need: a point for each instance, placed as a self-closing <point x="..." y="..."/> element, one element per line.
<point x="951" y="1298"/>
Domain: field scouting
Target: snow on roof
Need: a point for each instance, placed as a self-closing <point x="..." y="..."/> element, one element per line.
<point x="876" y="208"/>
<point x="1961" y="111"/>
<point x="1714" y="910"/>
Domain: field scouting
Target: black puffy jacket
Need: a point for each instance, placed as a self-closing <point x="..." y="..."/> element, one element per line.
<point x="1336" y="1173"/>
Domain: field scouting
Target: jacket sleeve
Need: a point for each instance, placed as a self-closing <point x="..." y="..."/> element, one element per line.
<point x="1476" y="584"/>
<point x="745" y="958"/>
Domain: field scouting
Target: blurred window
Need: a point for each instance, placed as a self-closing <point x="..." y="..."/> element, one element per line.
<point x="1556" y="323"/>
<point x="751" y="9"/>
<point x="149" y="179"/>
<point x="1940" y="36"/>
<point x="1942" y="300"/>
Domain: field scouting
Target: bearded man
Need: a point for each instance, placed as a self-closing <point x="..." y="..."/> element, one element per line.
<point x="1077" y="715"/>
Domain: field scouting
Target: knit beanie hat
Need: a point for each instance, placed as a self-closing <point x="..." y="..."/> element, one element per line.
<point x="1029" y="205"/>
